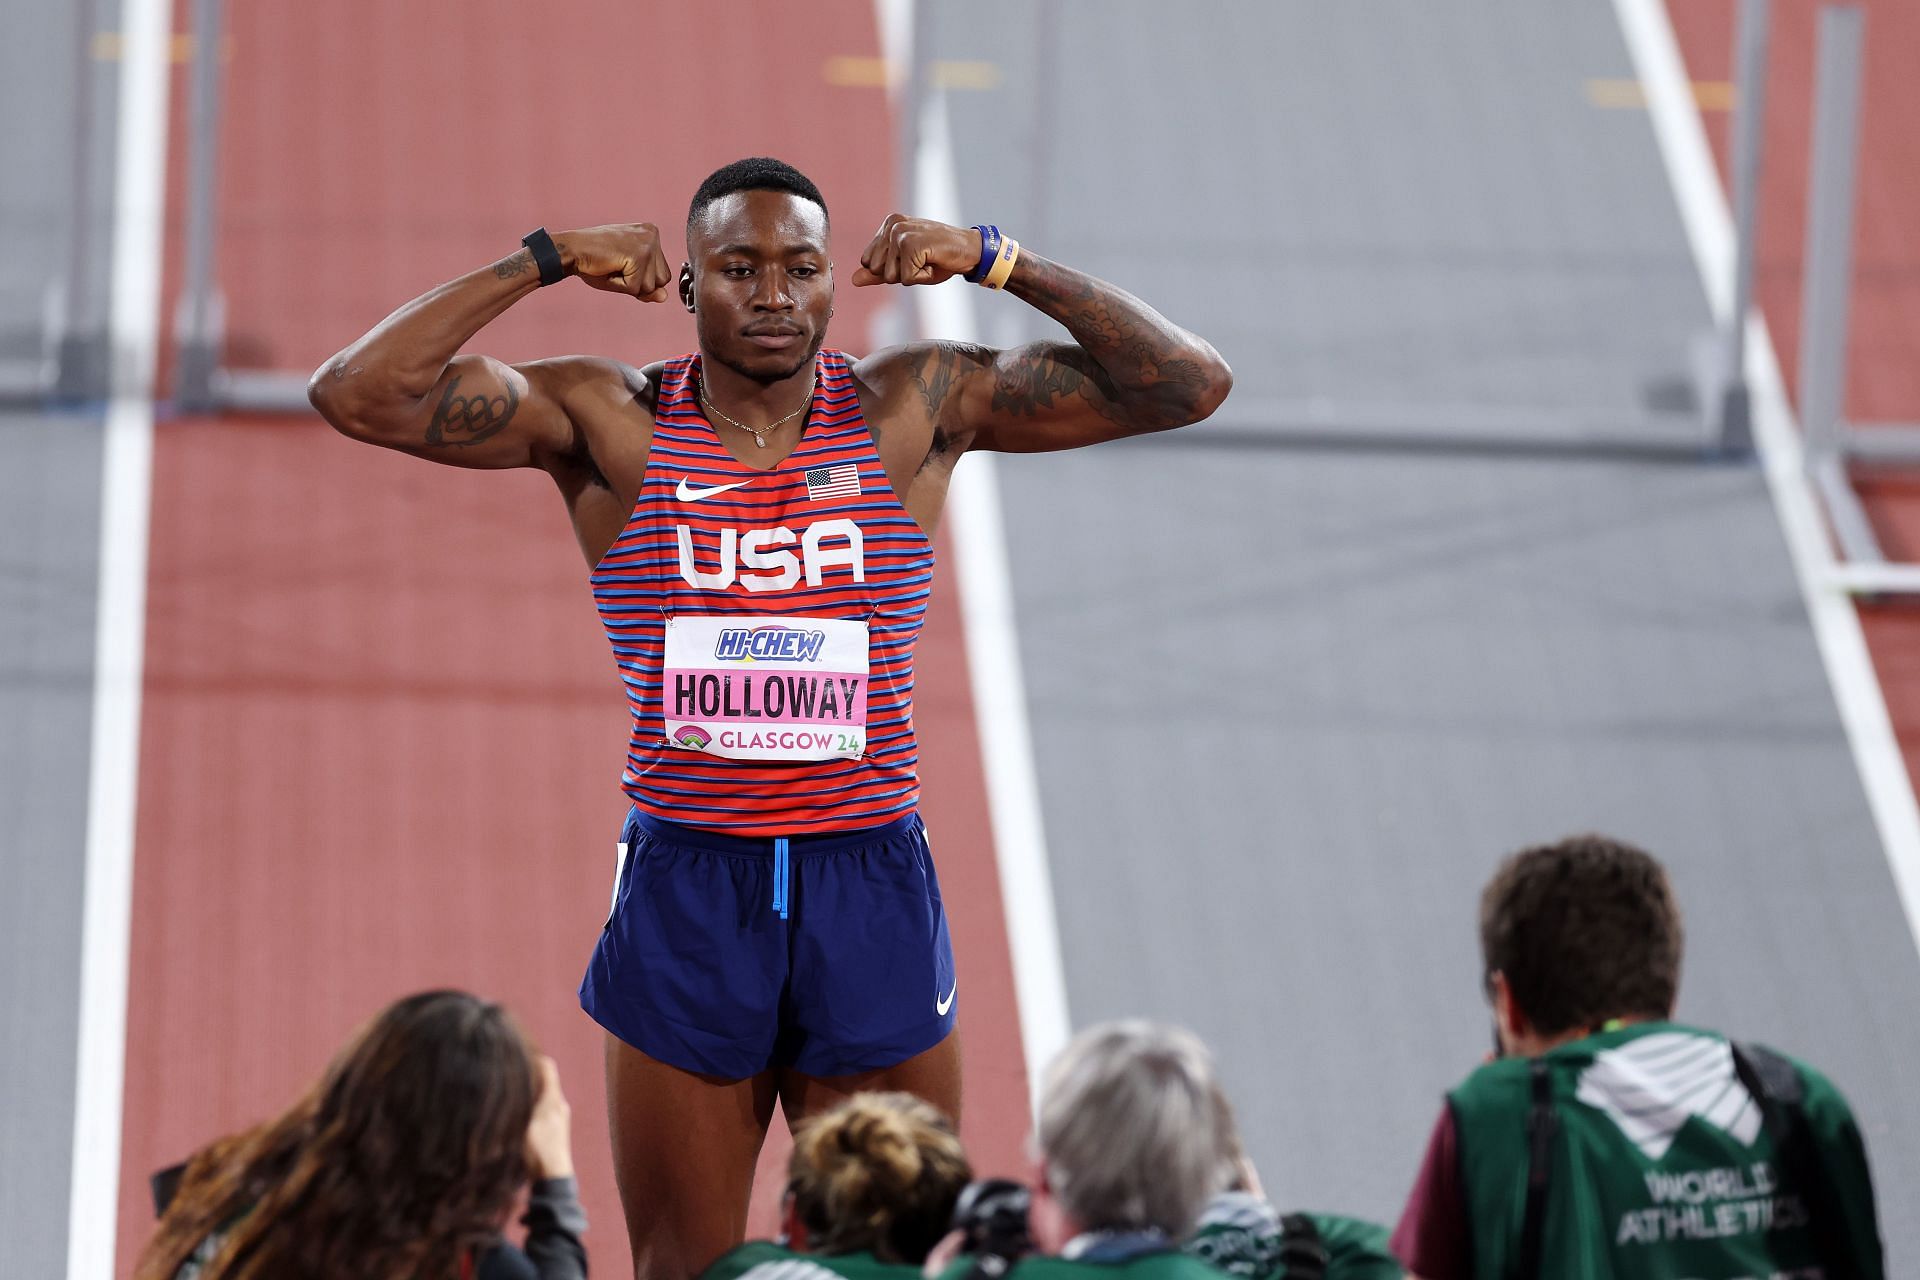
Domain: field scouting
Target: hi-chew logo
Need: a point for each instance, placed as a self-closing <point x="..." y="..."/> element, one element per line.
<point x="771" y="643"/>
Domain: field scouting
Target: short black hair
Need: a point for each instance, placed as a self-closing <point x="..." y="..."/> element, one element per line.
<point x="1584" y="930"/>
<point x="755" y="173"/>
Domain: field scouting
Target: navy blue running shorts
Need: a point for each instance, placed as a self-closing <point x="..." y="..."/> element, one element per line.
<point x="727" y="955"/>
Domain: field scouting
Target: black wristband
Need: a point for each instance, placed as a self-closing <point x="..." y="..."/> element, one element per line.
<point x="545" y="256"/>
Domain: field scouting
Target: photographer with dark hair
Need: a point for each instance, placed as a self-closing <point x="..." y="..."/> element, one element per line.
<point x="1607" y="1140"/>
<point x="404" y="1159"/>
<point x="871" y="1187"/>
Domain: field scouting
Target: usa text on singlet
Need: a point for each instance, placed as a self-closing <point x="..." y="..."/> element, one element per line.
<point x="764" y="623"/>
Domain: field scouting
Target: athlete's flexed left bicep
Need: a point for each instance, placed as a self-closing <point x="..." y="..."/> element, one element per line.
<point x="1129" y="370"/>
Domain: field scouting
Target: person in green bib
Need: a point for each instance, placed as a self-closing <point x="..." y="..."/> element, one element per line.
<point x="871" y="1187"/>
<point x="1244" y="1235"/>
<point x="1608" y="1141"/>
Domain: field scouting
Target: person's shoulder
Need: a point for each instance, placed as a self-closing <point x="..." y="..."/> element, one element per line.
<point x="504" y="1261"/>
<point x="1173" y="1264"/>
<point x="584" y="383"/>
<point x="768" y="1261"/>
<point x="1820" y="1097"/>
<point x="1161" y="1264"/>
<point x="753" y="1251"/>
<point x="1497" y="1082"/>
<point x="743" y="1258"/>
<point x="926" y="370"/>
<point x="1254" y="1247"/>
<point x="1356" y="1248"/>
<point x="585" y="369"/>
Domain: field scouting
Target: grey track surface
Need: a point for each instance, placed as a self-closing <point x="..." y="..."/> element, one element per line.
<point x="49" y="553"/>
<point x="1290" y="705"/>
<point x="55" y="213"/>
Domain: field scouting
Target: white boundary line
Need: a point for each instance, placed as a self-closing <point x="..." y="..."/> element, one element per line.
<point x="1836" y="623"/>
<point x="993" y="658"/>
<point x="140" y="173"/>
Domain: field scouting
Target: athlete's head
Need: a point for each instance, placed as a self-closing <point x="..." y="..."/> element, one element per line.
<point x="406" y="1155"/>
<point x="1133" y="1133"/>
<point x="757" y="278"/>
<point x="879" y="1173"/>
<point x="1578" y="933"/>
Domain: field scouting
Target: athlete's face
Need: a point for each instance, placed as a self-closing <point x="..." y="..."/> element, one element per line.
<point x="759" y="283"/>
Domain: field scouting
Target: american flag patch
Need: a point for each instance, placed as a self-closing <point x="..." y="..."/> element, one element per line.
<point x="833" y="482"/>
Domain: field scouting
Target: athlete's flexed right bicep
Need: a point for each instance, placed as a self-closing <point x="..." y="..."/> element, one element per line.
<point x="401" y="386"/>
<point x="481" y="413"/>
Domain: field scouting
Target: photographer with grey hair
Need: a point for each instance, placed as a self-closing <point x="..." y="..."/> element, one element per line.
<point x="1132" y="1139"/>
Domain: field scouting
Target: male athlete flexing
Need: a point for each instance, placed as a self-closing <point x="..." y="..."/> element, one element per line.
<point x="757" y="517"/>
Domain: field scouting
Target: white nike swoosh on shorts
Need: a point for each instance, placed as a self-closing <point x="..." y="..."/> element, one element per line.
<point x="940" y="1006"/>
<point x="687" y="493"/>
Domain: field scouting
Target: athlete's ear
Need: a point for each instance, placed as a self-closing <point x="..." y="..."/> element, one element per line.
<point x="686" y="285"/>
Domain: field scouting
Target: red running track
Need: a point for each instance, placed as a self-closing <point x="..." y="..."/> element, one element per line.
<point x="382" y="731"/>
<point x="1883" y="371"/>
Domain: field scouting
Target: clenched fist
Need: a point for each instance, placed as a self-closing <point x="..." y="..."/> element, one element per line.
<point x="917" y="251"/>
<point x="623" y="258"/>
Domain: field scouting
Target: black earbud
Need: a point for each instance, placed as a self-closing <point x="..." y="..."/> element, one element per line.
<point x="686" y="285"/>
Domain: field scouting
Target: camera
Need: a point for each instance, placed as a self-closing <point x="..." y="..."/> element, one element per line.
<point x="992" y="1214"/>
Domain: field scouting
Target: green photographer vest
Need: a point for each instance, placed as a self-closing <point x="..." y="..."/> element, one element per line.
<point x="1658" y="1161"/>
<point x="763" y="1260"/>
<point x="1245" y="1237"/>
<point x="1160" y="1264"/>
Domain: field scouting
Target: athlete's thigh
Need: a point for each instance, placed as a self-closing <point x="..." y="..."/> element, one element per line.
<point x="933" y="1075"/>
<point x="871" y="983"/>
<point x="684" y="1147"/>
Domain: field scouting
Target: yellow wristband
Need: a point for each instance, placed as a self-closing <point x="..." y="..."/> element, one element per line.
<point x="1003" y="265"/>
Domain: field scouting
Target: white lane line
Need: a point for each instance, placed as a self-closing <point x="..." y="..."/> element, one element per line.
<point x="1836" y="623"/>
<point x="140" y="174"/>
<point x="993" y="657"/>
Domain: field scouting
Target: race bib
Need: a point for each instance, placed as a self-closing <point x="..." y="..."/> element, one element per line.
<point x="766" y="688"/>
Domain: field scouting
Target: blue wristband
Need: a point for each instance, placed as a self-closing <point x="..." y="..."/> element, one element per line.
<point x="989" y="250"/>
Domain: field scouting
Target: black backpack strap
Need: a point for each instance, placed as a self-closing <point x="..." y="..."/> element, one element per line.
<point x="1543" y="1125"/>
<point x="1303" y="1254"/>
<point x="1776" y="1087"/>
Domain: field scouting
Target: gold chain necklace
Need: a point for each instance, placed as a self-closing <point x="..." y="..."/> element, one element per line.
<point x="759" y="434"/>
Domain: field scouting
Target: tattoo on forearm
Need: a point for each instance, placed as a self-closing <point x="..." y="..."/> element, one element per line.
<point x="464" y="420"/>
<point x="514" y="264"/>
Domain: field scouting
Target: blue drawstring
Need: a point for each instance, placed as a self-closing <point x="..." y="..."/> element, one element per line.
<point x="780" y="875"/>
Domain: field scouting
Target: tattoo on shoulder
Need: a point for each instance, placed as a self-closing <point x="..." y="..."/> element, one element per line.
<point x="939" y="367"/>
<point x="514" y="264"/>
<point x="464" y="420"/>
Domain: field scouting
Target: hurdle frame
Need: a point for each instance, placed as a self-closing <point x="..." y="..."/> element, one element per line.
<point x="1834" y="445"/>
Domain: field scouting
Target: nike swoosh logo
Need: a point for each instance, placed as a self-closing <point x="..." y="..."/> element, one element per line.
<point x="940" y="1007"/>
<point x="687" y="493"/>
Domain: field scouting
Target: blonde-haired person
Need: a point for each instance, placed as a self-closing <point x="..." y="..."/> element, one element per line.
<point x="871" y="1187"/>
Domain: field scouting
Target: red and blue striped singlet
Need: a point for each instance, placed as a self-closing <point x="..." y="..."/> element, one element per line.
<point x="735" y="600"/>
